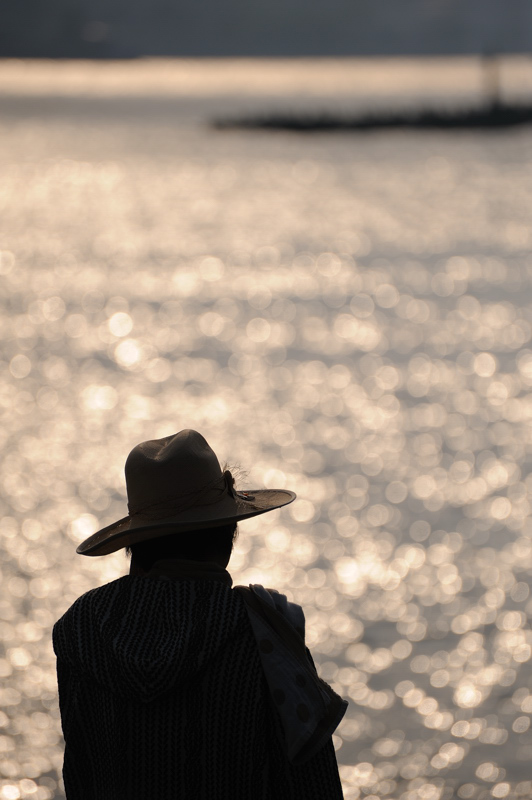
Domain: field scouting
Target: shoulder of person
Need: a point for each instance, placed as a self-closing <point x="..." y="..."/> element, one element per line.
<point x="83" y="605"/>
<point x="292" y="612"/>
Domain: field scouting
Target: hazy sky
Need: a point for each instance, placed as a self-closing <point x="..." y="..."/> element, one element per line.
<point x="94" y="28"/>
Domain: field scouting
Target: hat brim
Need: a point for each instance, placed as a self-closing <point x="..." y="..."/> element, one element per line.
<point x="131" y="530"/>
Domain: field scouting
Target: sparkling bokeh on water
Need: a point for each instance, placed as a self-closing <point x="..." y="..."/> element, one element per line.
<point x="345" y="316"/>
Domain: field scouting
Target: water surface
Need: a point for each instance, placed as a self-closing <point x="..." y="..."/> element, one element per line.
<point x="345" y="316"/>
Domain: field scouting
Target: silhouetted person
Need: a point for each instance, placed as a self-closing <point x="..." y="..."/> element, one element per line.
<point x="171" y="683"/>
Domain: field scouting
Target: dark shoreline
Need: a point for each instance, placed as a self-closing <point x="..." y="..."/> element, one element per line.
<point x="496" y="116"/>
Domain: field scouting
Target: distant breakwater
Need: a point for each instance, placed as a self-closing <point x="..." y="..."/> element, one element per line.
<point x="495" y="116"/>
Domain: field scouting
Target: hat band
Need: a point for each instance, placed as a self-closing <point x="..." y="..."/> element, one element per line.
<point x="176" y="503"/>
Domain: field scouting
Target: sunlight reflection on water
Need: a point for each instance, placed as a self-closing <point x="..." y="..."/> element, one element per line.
<point x="351" y="321"/>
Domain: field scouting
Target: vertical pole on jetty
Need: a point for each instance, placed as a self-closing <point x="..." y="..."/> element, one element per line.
<point x="491" y="67"/>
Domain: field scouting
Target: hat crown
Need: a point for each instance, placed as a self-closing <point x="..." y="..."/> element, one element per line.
<point x="175" y="466"/>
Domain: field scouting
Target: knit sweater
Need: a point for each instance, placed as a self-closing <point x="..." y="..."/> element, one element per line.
<point x="162" y="695"/>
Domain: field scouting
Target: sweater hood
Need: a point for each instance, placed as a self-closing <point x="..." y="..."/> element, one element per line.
<point x="143" y="637"/>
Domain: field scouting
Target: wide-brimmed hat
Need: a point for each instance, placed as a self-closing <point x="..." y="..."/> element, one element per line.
<point x="176" y="484"/>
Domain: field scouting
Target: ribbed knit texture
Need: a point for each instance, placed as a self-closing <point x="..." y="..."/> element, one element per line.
<point x="163" y="697"/>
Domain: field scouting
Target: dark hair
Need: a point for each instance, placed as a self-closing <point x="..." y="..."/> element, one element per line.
<point x="204" y="545"/>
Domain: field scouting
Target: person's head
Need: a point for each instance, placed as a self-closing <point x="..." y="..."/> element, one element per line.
<point x="210" y="544"/>
<point x="178" y="493"/>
